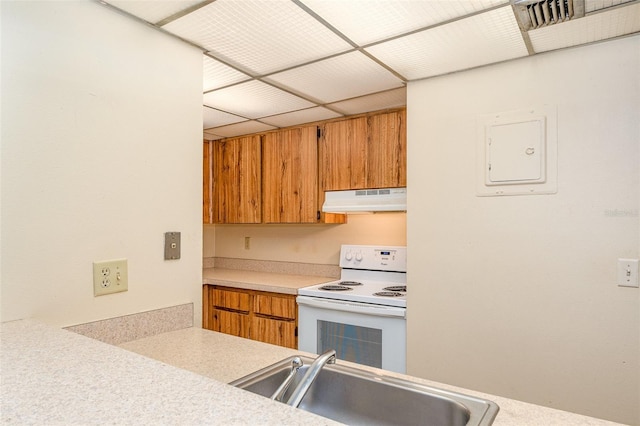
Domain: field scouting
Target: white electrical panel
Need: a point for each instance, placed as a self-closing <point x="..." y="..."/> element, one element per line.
<point x="517" y="153"/>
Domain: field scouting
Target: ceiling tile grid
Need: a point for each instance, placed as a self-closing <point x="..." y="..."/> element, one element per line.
<point x="258" y="36"/>
<point x="280" y="63"/>
<point x="302" y="116"/>
<point x="598" y="26"/>
<point x="254" y="99"/>
<point x="214" y="118"/>
<point x="478" y="40"/>
<point x="153" y="11"/>
<point x="368" y="21"/>
<point x="243" y="128"/>
<point x="395" y="98"/>
<point x="592" y="5"/>
<point x="345" y="76"/>
<point x="215" y="74"/>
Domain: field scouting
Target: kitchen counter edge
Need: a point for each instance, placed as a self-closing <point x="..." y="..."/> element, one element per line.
<point x="260" y="281"/>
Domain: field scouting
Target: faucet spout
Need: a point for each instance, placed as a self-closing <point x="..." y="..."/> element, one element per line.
<point x="329" y="357"/>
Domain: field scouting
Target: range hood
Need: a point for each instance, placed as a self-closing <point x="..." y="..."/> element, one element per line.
<point x="365" y="200"/>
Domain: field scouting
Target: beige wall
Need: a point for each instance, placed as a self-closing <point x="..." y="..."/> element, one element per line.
<point x="305" y="243"/>
<point x="517" y="295"/>
<point x="101" y="148"/>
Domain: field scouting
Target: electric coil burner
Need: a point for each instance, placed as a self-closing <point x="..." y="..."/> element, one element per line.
<point x="335" y="287"/>
<point x="350" y="283"/>
<point x="396" y="288"/>
<point x="388" y="294"/>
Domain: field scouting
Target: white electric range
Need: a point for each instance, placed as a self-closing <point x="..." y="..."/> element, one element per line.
<point x="361" y="315"/>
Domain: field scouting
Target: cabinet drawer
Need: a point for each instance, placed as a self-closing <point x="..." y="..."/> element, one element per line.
<point x="230" y="299"/>
<point x="276" y="332"/>
<point x="281" y="306"/>
<point x="230" y="323"/>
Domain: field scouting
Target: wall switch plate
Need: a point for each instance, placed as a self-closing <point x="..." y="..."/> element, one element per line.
<point x="110" y="276"/>
<point x="171" y="245"/>
<point x="628" y="272"/>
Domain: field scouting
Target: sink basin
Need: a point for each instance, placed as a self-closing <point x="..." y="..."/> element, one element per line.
<point x="358" y="397"/>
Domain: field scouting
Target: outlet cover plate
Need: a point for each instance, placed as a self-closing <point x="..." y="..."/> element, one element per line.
<point x="110" y="276"/>
<point x="171" y="245"/>
<point x="628" y="272"/>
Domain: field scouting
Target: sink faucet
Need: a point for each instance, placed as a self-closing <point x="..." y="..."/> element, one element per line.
<point x="296" y="363"/>
<point x="329" y="357"/>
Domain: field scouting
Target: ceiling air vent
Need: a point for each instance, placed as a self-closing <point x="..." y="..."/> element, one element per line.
<point x="534" y="14"/>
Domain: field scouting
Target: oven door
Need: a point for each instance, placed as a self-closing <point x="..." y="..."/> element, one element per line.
<point x="368" y="334"/>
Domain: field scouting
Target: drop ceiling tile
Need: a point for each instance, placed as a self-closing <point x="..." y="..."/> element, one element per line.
<point x="153" y="11"/>
<point x="478" y="40"/>
<point x="395" y="98"/>
<point x="341" y="77"/>
<point x="258" y="36"/>
<point x="367" y="21"/>
<point x="216" y="74"/>
<point x="254" y="99"/>
<point x="599" y="26"/>
<point x="214" y="118"/>
<point x="238" y="129"/>
<point x="593" y="5"/>
<point x="308" y="115"/>
<point x="211" y="136"/>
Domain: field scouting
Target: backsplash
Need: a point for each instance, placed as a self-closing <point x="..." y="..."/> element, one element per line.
<point x="291" y="268"/>
<point x="136" y="326"/>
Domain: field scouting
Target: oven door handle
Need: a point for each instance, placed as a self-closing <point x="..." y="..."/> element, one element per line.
<point x="360" y="308"/>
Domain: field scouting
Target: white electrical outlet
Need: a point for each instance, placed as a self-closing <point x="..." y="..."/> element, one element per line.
<point x="628" y="272"/>
<point x="110" y="276"/>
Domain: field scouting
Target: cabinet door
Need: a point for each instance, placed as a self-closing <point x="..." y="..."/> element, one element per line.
<point x="276" y="332"/>
<point x="343" y="150"/>
<point x="387" y="150"/>
<point x="364" y="152"/>
<point x="290" y="173"/>
<point x="275" y="305"/>
<point x="234" y="323"/>
<point x="237" y="180"/>
<point x="206" y="182"/>
<point x="231" y="299"/>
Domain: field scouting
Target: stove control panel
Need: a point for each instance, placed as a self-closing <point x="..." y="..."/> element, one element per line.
<point x="375" y="258"/>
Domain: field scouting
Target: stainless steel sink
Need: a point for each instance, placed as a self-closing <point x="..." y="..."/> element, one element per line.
<point x="358" y="397"/>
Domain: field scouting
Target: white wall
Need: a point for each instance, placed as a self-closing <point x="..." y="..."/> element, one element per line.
<point x="306" y="243"/>
<point x="517" y="295"/>
<point x="101" y="154"/>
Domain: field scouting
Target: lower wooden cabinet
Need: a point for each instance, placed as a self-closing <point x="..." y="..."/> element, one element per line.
<point x="258" y="315"/>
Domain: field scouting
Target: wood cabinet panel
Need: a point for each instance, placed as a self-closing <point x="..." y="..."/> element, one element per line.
<point x="277" y="332"/>
<point x="237" y="180"/>
<point x="364" y="152"/>
<point x="387" y="150"/>
<point x="231" y="299"/>
<point x="343" y="150"/>
<point x="234" y="323"/>
<point x="281" y="306"/>
<point x="258" y="315"/>
<point x="206" y="182"/>
<point x="289" y="176"/>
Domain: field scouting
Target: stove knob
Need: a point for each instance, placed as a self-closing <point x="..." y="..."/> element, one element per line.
<point x="348" y="255"/>
<point x="358" y="256"/>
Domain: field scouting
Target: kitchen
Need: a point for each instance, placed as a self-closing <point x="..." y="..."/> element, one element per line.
<point x="544" y="297"/>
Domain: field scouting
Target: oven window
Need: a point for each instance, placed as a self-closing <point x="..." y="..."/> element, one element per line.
<point x="351" y="342"/>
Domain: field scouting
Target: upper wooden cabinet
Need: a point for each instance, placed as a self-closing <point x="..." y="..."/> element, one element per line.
<point x="364" y="152"/>
<point x="206" y="182"/>
<point x="237" y="180"/>
<point x="290" y="176"/>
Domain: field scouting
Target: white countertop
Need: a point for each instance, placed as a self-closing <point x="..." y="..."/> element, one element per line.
<point x="262" y="281"/>
<point x="53" y="376"/>
<point x="226" y="358"/>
